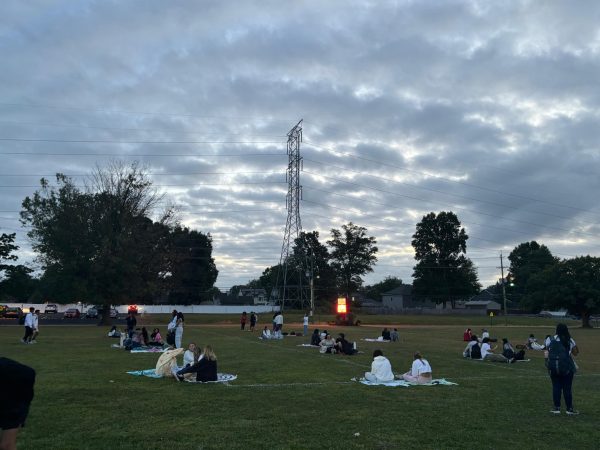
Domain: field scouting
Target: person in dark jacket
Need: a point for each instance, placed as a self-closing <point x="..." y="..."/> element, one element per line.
<point x="386" y="335"/>
<point x="205" y="369"/>
<point x="315" y="339"/>
<point x="343" y="346"/>
<point x="17" y="381"/>
<point x="131" y="323"/>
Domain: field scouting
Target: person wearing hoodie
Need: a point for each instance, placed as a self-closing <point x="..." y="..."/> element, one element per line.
<point x="381" y="369"/>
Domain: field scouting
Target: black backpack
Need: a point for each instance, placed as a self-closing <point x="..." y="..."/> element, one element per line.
<point x="476" y="352"/>
<point x="559" y="360"/>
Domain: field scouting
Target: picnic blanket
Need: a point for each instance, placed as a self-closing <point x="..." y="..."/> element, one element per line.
<point x="379" y="339"/>
<point x="307" y="345"/>
<point x="402" y="383"/>
<point x="148" y="350"/>
<point x="151" y="373"/>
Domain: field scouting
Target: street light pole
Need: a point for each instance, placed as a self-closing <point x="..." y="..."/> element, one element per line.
<point x="503" y="289"/>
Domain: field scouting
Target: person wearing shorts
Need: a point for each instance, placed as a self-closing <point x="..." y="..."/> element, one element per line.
<point x="17" y="381"/>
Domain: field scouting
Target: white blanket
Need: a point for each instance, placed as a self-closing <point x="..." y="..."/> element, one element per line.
<point x="379" y="339"/>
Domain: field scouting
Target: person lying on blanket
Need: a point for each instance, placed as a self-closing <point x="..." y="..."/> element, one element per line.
<point x="381" y="369"/>
<point x="420" y="371"/>
<point x="205" y="369"/>
<point x="532" y="343"/>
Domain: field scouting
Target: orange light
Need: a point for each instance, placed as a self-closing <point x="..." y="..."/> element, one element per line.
<point x="341" y="306"/>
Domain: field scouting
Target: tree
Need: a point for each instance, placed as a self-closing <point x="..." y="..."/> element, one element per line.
<point x="352" y="255"/>
<point x="193" y="271"/>
<point x="100" y="245"/>
<point x="16" y="282"/>
<point x="443" y="273"/>
<point x="7" y="247"/>
<point x="375" y="291"/>
<point x="573" y="284"/>
<point x="526" y="260"/>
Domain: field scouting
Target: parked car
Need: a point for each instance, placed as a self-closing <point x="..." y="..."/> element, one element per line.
<point x="132" y="309"/>
<point x="13" y="313"/>
<point x="51" y="309"/>
<point x="3" y="309"/>
<point x="72" y="313"/>
<point x="114" y="314"/>
<point x="91" y="313"/>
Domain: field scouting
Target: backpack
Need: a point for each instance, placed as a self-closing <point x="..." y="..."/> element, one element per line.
<point x="559" y="361"/>
<point x="476" y="352"/>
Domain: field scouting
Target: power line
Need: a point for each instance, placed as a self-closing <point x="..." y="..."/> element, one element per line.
<point x="449" y="180"/>
<point x="102" y="141"/>
<point x="197" y="155"/>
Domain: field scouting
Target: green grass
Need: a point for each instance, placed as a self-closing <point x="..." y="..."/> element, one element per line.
<point x="293" y="397"/>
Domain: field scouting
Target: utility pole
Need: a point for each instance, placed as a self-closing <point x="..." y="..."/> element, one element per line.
<point x="290" y="284"/>
<point x="503" y="289"/>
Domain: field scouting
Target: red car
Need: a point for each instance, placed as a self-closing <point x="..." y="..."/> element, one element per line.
<point x="72" y="313"/>
<point x="132" y="309"/>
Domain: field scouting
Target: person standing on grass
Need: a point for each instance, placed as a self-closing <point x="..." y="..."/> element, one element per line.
<point x="28" y="326"/>
<point x="17" y="382"/>
<point x="131" y="322"/>
<point x="381" y="369"/>
<point x="487" y="353"/>
<point x="243" y="320"/>
<point x="36" y="327"/>
<point x="171" y="328"/>
<point x="179" y="330"/>
<point x="562" y="368"/>
<point x="252" y="321"/>
<point x="305" y="324"/>
<point x="278" y="325"/>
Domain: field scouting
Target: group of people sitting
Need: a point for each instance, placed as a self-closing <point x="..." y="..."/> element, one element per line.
<point x="139" y="338"/>
<point x="483" y="350"/>
<point x="327" y="344"/>
<point x="381" y="370"/>
<point x="387" y="335"/>
<point x="203" y="364"/>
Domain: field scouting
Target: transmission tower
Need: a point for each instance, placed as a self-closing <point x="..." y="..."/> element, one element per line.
<point x="291" y="287"/>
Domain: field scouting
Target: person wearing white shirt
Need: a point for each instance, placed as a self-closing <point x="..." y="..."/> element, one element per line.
<point x="381" y="369"/>
<point x="36" y="327"/>
<point x="484" y="334"/>
<point x="28" y="326"/>
<point x="191" y="355"/>
<point x="420" y="371"/>
<point x="278" y="326"/>
<point x="266" y="333"/>
<point x="487" y="353"/>
<point x="179" y="330"/>
<point x="305" y="324"/>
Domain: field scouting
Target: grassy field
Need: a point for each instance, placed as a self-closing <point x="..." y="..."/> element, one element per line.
<point x="292" y="397"/>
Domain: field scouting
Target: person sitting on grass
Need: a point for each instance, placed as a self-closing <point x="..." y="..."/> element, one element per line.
<point x="532" y="343"/>
<point x="343" y="346"/>
<point x="191" y="355"/>
<point x="205" y="368"/>
<point x="487" y="353"/>
<point x="381" y="369"/>
<point x="114" y="333"/>
<point x="394" y="335"/>
<point x="155" y="338"/>
<point x="467" y="335"/>
<point x="469" y="352"/>
<point x="315" y="339"/>
<point x="144" y="338"/>
<point x="266" y="333"/>
<point x="327" y="345"/>
<point x="386" y="335"/>
<point x="420" y="371"/>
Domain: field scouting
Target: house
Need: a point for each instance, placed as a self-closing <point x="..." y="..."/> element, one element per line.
<point x="259" y="296"/>
<point x="485" y="306"/>
<point x="401" y="298"/>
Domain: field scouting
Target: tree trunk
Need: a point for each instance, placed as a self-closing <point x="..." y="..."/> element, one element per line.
<point x="106" y="320"/>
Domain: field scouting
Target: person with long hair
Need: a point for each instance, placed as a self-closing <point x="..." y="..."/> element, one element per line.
<point x="420" y="371"/>
<point x="179" y="330"/>
<point x="205" y="368"/>
<point x="562" y="368"/>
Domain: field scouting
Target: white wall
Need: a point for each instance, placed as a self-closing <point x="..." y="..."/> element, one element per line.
<point x="163" y="309"/>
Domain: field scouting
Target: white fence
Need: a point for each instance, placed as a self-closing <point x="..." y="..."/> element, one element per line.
<point x="160" y="309"/>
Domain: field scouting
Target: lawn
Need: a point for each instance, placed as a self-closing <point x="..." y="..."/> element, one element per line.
<point x="293" y="397"/>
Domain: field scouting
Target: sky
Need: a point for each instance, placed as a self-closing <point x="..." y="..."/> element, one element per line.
<point x="487" y="109"/>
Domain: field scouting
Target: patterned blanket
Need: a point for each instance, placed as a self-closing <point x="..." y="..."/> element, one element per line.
<point x="402" y="383"/>
<point x="150" y="373"/>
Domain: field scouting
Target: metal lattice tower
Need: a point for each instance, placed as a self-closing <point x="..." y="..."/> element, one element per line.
<point x="291" y="287"/>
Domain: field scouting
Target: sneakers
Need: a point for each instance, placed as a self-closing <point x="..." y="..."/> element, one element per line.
<point x="555" y="410"/>
<point x="572" y="412"/>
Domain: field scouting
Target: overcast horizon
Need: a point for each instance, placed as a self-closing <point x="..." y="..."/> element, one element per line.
<point x="486" y="109"/>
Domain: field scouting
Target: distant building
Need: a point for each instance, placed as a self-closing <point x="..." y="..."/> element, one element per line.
<point x="485" y="306"/>
<point x="401" y="298"/>
<point x="259" y="296"/>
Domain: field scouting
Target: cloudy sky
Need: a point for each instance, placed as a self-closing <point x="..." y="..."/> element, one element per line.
<point x="488" y="109"/>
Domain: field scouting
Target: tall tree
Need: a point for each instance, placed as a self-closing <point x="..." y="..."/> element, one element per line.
<point x="573" y="284"/>
<point x="100" y="245"/>
<point x="316" y="259"/>
<point x="16" y="282"/>
<point x="352" y="255"/>
<point x="7" y="247"/>
<point x="443" y="273"/>
<point x="526" y="260"/>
